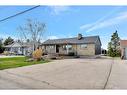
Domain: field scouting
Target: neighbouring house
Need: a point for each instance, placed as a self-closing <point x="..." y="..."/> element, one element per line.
<point x="123" y="47"/>
<point x="19" y="48"/>
<point x="90" y="45"/>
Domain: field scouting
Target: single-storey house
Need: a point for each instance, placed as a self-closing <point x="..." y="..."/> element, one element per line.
<point x="90" y="45"/>
<point x="123" y="47"/>
<point x="19" y="48"/>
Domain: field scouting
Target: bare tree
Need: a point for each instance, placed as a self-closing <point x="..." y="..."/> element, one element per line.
<point x="32" y="30"/>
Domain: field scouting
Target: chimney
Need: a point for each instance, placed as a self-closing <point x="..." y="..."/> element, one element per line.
<point x="79" y="36"/>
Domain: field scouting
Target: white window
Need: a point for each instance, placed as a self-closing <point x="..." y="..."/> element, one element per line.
<point x="64" y="47"/>
<point x="69" y="47"/>
<point x="83" y="46"/>
<point x="51" y="47"/>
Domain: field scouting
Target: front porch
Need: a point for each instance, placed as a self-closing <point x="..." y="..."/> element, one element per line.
<point x="62" y="49"/>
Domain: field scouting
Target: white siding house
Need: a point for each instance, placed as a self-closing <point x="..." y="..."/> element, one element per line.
<point x="18" y="48"/>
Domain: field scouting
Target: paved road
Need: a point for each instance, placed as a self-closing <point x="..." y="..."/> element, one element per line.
<point x="67" y="74"/>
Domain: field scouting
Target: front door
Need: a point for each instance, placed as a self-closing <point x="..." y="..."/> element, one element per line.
<point x="57" y="48"/>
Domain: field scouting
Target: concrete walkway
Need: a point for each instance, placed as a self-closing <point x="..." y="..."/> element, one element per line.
<point x="67" y="74"/>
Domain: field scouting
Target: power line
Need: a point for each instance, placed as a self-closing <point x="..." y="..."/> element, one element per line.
<point x="19" y="13"/>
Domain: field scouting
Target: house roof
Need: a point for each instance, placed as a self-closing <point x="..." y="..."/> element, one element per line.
<point x="19" y="44"/>
<point x="75" y="40"/>
<point x="123" y="43"/>
<point x="15" y="44"/>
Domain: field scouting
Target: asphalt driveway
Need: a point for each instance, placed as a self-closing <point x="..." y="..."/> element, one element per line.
<point x="68" y="74"/>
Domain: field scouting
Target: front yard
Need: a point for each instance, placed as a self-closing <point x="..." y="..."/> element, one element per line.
<point x="14" y="62"/>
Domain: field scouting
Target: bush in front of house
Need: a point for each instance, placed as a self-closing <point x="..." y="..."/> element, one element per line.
<point x="5" y="53"/>
<point x="37" y="54"/>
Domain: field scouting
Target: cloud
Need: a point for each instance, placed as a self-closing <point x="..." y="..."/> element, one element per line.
<point x="52" y="37"/>
<point x="103" y="22"/>
<point x="56" y="10"/>
<point x="86" y="26"/>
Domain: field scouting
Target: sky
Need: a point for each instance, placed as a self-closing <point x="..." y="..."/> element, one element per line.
<point x="68" y="21"/>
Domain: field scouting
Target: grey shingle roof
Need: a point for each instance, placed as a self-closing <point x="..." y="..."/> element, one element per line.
<point x="15" y="44"/>
<point x="75" y="40"/>
<point x="19" y="44"/>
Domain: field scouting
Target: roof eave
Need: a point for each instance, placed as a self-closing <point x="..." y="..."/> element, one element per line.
<point x="67" y="43"/>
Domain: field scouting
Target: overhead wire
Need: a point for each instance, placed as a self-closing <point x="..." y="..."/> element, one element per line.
<point x="17" y="14"/>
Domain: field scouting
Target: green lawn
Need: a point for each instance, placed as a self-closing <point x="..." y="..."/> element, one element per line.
<point x="14" y="62"/>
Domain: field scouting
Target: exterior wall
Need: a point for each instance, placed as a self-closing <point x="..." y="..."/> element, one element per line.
<point x="74" y="49"/>
<point x="50" y="49"/>
<point x="123" y="48"/>
<point x="98" y="47"/>
<point x="17" y="50"/>
<point x="62" y="50"/>
<point x="89" y="50"/>
<point x="124" y="52"/>
<point x="27" y="50"/>
<point x="24" y="50"/>
<point x="65" y="51"/>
